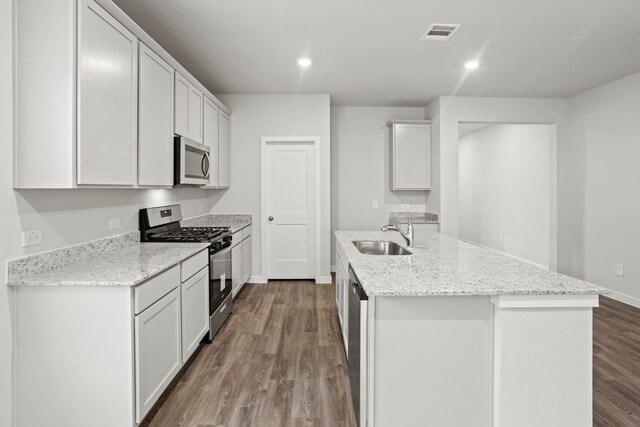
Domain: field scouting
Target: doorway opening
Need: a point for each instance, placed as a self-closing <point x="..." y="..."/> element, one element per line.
<point x="506" y="179"/>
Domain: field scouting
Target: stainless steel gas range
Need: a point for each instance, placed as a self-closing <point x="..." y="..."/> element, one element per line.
<point x="162" y="224"/>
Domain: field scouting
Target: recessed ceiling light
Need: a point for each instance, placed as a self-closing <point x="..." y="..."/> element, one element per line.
<point x="471" y="65"/>
<point x="304" y="62"/>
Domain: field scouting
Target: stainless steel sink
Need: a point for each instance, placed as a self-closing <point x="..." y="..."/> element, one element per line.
<point x="369" y="247"/>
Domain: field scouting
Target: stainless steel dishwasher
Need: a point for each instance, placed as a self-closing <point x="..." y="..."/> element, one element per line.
<point x="357" y="358"/>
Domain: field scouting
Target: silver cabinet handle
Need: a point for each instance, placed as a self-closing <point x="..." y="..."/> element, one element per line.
<point x="270" y="218"/>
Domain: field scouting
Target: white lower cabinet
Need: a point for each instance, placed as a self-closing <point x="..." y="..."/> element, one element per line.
<point x="342" y="296"/>
<point x="246" y="259"/>
<point x="195" y="311"/>
<point x="240" y="259"/>
<point x="236" y="269"/>
<point x="110" y="350"/>
<point x="157" y="350"/>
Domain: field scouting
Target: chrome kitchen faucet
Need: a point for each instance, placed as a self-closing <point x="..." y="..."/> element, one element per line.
<point x="408" y="237"/>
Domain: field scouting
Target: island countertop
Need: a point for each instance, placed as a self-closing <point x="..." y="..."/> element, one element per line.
<point x="444" y="266"/>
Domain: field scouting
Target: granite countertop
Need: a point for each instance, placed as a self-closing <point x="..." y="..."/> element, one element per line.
<point x="441" y="266"/>
<point x="128" y="265"/>
<point x="234" y="221"/>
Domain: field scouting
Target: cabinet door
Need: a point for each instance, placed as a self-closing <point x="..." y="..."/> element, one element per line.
<point x="155" y="120"/>
<point x="246" y="259"/>
<point x="224" y="152"/>
<point x="157" y="350"/>
<point x="338" y="289"/>
<point x="107" y="99"/>
<point x="210" y="138"/>
<point x="345" y="307"/>
<point x="195" y="311"/>
<point x="411" y="157"/>
<point x="195" y="114"/>
<point x="236" y="269"/>
<point x="181" y="106"/>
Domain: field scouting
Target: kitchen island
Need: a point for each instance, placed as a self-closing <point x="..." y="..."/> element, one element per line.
<point x="459" y="335"/>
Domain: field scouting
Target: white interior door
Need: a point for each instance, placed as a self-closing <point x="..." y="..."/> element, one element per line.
<point x="290" y="186"/>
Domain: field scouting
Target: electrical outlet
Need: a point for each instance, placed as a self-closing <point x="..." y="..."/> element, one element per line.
<point x="620" y="270"/>
<point x="114" y="223"/>
<point x="31" y="238"/>
<point x="405" y="207"/>
<point x="375" y="204"/>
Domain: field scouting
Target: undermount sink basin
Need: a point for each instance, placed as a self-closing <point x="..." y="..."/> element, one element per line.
<point x="368" y="247"/>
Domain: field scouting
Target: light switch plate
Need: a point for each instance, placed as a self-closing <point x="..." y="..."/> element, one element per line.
<point x="620" y="270"/>
<point x="375" y="204"/>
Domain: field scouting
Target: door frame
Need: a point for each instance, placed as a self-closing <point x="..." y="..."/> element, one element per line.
<point x="264" y="143"/>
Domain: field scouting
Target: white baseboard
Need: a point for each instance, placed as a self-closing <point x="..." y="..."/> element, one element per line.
<point x="257" y="279"/>
<point x="627" y="299"/>
<point x="323" y="280"/>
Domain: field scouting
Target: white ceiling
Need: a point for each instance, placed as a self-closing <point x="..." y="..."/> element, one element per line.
<point x="367" y="52"/>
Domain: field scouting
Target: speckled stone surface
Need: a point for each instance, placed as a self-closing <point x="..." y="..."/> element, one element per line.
<point x="441" y="266"/>
<point x="44" y="261"/>
<point x="414" y="217"/>
<point x="235" y="221"/>
<point x="128" y="265"/>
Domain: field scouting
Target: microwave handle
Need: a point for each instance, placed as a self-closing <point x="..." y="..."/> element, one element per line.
<point x="205" y="168"/>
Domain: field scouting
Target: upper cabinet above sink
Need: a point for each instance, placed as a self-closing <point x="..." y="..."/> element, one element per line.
<point x="98" y="100"/>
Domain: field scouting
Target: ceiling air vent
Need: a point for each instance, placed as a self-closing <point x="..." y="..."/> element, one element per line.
<point x="440" y="32"/>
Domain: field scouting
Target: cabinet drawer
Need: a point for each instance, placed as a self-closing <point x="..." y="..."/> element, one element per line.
<point x="246" y="232"/>
<point x="194" y="264"/>
<point x="155" y="288"/>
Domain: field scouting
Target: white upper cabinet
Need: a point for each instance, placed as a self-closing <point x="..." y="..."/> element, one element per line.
<point x="97" y="101"/>
<point x="188" y="109"/>
<point x="107" y="99"/>
<point x="224" y="150"/>
<point x="210" y="139"/>
<point x="155" y="120"/>
<point x="410" y="154"/>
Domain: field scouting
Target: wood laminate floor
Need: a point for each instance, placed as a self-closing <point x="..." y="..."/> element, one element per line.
<point x="278" y="361"/>
<point x="616" y="364"/>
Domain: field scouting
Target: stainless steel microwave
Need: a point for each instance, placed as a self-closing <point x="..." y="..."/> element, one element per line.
<point x="192" y="162"/>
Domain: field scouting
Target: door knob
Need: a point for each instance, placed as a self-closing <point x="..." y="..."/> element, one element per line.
<point x="270" y="218"/>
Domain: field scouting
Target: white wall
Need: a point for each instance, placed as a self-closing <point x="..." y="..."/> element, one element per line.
<point x="255" y="116"/>
<point x="360" y="168"/>
<point x="604" y="125"/>
<point x="450" y="111"/>
<point x="504" y="189"/>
